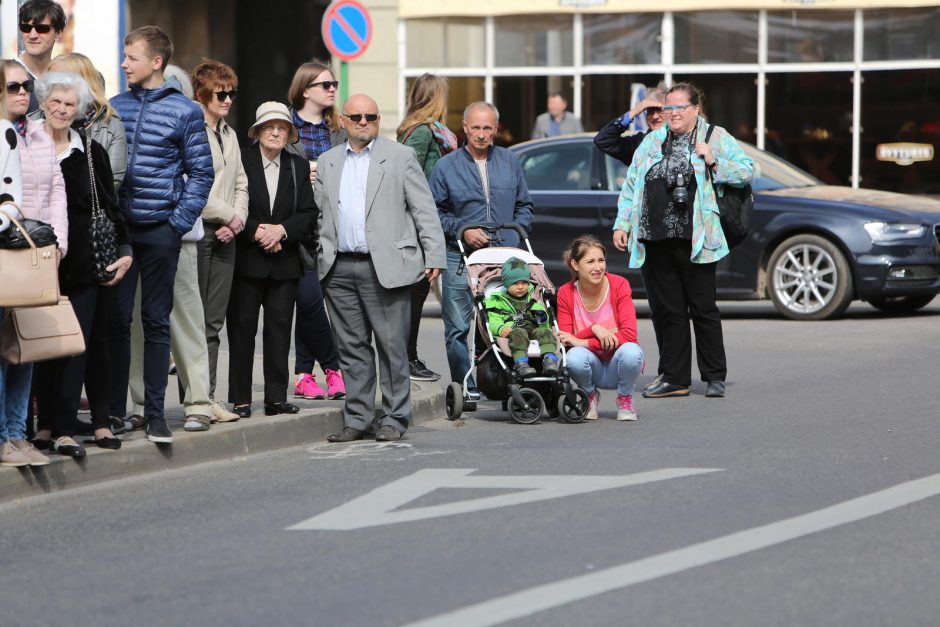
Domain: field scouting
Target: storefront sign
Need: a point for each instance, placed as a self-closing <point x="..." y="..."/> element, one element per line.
<point x="483" y="8"/>
<point x="904" y="153"/>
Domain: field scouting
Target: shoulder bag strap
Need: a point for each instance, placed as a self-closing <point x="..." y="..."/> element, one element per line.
<point x="95" y="204"/>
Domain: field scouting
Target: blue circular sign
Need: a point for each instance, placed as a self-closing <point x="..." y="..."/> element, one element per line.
<point x="347" y="29"/>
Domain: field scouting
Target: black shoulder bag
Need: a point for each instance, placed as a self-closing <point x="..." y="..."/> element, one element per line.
<point x="101" y="229"/>
<point x="735" y="205"/>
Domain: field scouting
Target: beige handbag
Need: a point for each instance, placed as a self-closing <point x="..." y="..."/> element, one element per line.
<point x="35" y="334"/>
<point x="30" y="275"/>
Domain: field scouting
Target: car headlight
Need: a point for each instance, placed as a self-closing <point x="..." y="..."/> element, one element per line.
<point x="893" y="231"/>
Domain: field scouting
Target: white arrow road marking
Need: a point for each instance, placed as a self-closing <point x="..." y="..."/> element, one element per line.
<point x="544" y="597"/>
<point x="377" y="507"/>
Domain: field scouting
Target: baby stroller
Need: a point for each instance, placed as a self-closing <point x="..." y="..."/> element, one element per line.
<point x="526" y="399"/>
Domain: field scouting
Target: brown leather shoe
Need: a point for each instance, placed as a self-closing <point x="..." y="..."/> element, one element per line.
<point x="348" y="434"/>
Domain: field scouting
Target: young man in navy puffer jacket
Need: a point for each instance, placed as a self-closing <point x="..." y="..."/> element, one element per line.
<point x="169" y="175"/>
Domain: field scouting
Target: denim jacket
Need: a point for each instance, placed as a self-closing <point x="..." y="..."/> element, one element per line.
<point x="708" y="240"/>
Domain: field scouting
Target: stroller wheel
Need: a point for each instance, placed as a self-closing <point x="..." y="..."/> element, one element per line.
<point x="574" y="412"/>
<point x="531" y="411"/>
<point x="453" y="401"/>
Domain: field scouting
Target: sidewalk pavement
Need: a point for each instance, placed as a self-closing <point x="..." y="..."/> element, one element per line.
<point x="248" y="436"/>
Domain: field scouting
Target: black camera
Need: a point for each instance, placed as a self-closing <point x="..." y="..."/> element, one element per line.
<point x="680" y="192"/>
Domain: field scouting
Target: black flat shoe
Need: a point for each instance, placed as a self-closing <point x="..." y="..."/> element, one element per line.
<point x="41" y="445"/>
<point x="112" y="444"/>
<point x="242" y="411"/>
<point x="281" y="407"/>
<point x="68" y="447"/>
<point x="663" y="389"/>
<point x="715" y="389"/>
<point x="348" y="434"/>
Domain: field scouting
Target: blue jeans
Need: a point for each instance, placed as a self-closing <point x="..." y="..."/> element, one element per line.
<point x="621" y="372"/>
<point x="457" y="311"/>
<point x="14" y="400"/>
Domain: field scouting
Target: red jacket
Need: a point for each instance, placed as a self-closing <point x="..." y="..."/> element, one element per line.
<point x="620" y="295"/>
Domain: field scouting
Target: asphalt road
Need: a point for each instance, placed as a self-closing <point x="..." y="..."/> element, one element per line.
<point x="806" y="497"/>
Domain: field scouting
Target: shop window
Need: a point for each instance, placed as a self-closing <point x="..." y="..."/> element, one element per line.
<point x="809" y="122"/>
<point x="810" y="36"/>
<point x="899" y="106"/>
<point x="892" y="34"/>
<point x="445" y="42"/>
<point x="534" y="40"/>
<point x="623" y="39"/>
<point x="716" y="37"/>
<point x="520" y="99"/>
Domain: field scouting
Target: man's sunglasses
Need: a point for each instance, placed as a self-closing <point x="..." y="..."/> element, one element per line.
<point x="42" y="29"/>
<point x="357" y="117"/>
<point x="14" y="88"/>
<point x="222" y="95"/>
<point x="325" y="84"/>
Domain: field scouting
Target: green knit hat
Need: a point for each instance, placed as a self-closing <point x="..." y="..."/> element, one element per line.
<point x="515" y="269"/>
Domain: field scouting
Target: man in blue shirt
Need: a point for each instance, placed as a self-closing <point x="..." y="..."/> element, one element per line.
<point x="480" y="185"/>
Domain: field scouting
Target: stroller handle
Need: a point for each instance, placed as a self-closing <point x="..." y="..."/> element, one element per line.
<point x="492" y="228"/>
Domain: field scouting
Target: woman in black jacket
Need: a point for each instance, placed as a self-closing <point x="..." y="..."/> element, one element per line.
<point x="88" y="182"/>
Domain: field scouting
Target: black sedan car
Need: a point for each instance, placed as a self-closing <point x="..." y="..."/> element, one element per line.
<point x="812" y="248"/>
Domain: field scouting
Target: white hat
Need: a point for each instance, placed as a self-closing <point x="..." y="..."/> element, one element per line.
<point x="268" y="112"/>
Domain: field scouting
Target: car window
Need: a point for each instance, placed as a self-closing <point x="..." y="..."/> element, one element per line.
<point x="558" y="167"/>
<point x="771" y="172"/>
<point x="616" y="173"/>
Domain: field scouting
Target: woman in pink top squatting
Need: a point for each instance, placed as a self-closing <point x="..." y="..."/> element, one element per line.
<point x="597" y="321"/>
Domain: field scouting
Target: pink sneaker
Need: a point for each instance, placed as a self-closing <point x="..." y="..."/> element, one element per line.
<point x="626" y="410"/>
<point x="335" y="386"/>
<point x="593" y="399"/>
<point x="307" y="387"/>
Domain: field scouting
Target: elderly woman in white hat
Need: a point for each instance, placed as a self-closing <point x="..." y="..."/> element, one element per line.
<point x="281" y="213"/>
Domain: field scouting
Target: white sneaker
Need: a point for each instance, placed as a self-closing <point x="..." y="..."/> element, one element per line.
<point x="593" y="399"/>
<point x="626" y="410"/>
<point x="220" y="414"/>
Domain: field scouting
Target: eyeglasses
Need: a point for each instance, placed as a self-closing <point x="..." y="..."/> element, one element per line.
<point x="42" y="29"/>
<point x="326" y="85"/>
<point x="222" y="95"/>
<point x="14" y="88"/>
<point x="357" y="117"/>
<point x="676" y="108"/>
<point x="654" y="111"/>
<point x="269" y="129"/>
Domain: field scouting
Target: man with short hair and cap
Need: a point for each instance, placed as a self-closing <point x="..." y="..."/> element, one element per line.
<point x="518" y="315"/>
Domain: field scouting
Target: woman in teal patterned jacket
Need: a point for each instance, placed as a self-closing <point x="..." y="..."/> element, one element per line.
<point x="668" y="221"/>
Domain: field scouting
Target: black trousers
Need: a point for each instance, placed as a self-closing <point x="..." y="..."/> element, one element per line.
<point x="59" y="382"/>
<point x="419" y="294"/>
<point x="277" y="298"/>
<point x="685" y="291"/>
<point x="313" y="335"/>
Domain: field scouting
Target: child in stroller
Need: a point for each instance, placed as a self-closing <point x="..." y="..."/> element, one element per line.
<point x="517" y="315"/>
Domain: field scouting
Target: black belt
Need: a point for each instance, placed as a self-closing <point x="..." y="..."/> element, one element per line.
<point x="344" y="255"/>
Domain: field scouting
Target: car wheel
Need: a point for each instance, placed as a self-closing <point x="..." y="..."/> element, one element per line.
<point x="902" y="304"/>
<point x="809" y="278"/>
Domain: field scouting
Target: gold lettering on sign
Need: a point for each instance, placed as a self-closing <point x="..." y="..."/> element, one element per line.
<point x="904" y="153"/>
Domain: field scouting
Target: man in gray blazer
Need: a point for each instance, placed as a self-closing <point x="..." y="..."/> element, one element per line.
<point x="379" y="233"/>
<point x="557" y="120"/>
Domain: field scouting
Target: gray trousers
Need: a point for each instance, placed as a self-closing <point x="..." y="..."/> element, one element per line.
<point x="216" y="268"/>
<point x="360" y="309"/>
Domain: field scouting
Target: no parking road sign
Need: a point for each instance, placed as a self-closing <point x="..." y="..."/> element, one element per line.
<point x="347" y="29"/>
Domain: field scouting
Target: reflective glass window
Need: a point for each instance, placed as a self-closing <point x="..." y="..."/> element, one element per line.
<point x="445" y="42"/>
<point x="622" y="38"/>
<point x="715" y="37"/>
<point x="520" y="99"/>
<point x="534" y="40"/>
<point x="902" y="34"/>
<point x="810" y="36"/>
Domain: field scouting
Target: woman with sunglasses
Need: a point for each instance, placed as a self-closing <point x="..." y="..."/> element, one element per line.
<point x="668" y="220"/>
<point x="424" y="128"/>
<point x="101" y="121"/>
<point x="312" y="96"/>
<point x="215" y="85"/>
<point x="43" y="185"/>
